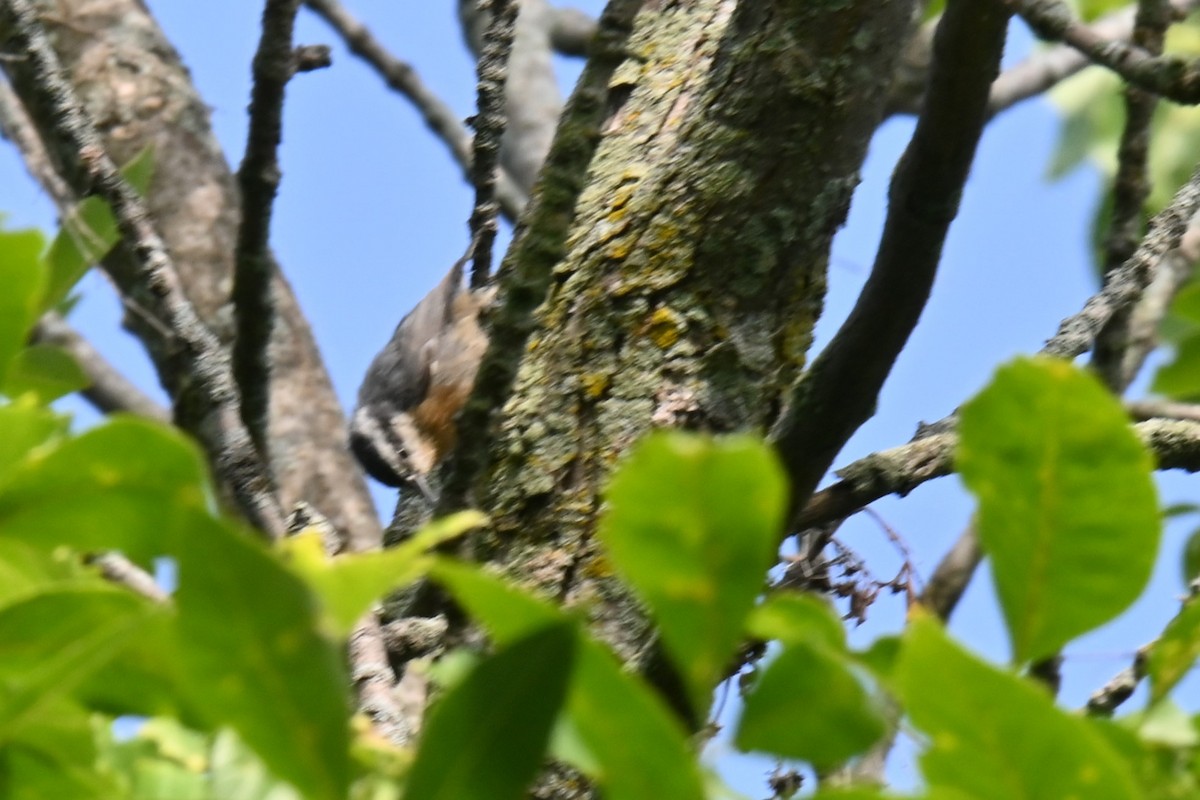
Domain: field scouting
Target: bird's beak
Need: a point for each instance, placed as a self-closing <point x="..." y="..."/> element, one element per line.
<point x="422" y="485"/>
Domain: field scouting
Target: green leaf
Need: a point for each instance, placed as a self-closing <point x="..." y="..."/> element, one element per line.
<point x="164" y="760"/>
<point x="235" y="771"/>
<point x="1190" y="564"/>
<point x="45" y="371"/>
<point x="131" y="483"/>
<point x="996" y="736"/>
<point x="25" y="570"/>
<point x="143" y="678"/>
<point x="1173" y="655"/>
<point x="24" y="426"/>
<point x="1091" y="9"/>
<point x="89" y="231"/>
<point x="881" y="657"/>
<point x="809" y="705"/>
<point x="348" y="584"/>
<point x="486" y="738"/>
<point x="693" y="524"/>
<point x="505" y="612"/>
<point x="253" y="658"/>
<point x="24" y="282"/>
<point x="55" y="758"/>
<point x="793" y="617"/>
<point x="636" y="742"/>
<point x="635" y="746"/>
<point x="1067" y="506"/>
<point x="1163" y="773"/>
<point x="1167" y="725"/>
<point x="1180" y="378"/>
<point x="53" y="640"/>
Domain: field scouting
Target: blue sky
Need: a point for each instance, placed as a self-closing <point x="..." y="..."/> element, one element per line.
<point x="372" y="211"/>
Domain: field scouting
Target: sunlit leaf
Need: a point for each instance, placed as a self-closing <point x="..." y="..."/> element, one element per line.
<point x="24" y="283"/>
<point x="486" y="738"/>
<point x="812" y="683"/>
<point x="24" y="426"/>
<point x="45" y="371"/>
<point x="793" y="617"/>
<point x="635" y="746"/>
<point x="348" y="584"/>
<point x="253" y="658"/>
<point x="52" y="640"/>
<point x="692" y="525"/>
<point x="89" y="231"/>
<point x="54" y="758"/>
<point x="997" y="736"/>
<point x="1067" y="506"/>
<point x="128" y="482"/>
<point x="1175" y="652"/>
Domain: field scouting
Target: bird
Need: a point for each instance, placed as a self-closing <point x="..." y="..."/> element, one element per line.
<point x="404" y="422"/>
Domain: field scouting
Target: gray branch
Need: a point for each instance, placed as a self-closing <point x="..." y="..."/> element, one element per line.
<point x="207" y="399"/>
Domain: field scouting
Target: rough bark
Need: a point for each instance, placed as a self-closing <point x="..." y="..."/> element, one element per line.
<point x="696" y="264"/>
<point x="137" y="90"/>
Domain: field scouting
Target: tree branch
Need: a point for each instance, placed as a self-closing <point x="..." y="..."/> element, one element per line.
<point x="1170" y="76"/>
<point x="207" y="404"/>
<point x="525" y="273"/>
<point x="258" y="178"/>
<point x="572" y="31"/>
<point x="117" y="568"/>
<point x="402" y="78"/>
<point x="1124" y="286"/>
<point x="1045" y="68"/>
<point x="16" y="126"/>
<point x="1174" y="442"/>
<point x="1131" y="187"/>
<point x="489" y="123"/>
<point x="532" y="100"/>
<point x="1108" y="698"/>
<point x="839" y="391"/>
<point x="952" y="575"/>
<point x="108" y="390"/>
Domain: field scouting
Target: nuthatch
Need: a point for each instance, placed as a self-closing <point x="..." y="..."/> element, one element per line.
<point x="404" y="423"/>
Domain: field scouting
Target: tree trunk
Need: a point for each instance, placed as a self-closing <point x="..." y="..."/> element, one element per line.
<point x="695" y="265"/>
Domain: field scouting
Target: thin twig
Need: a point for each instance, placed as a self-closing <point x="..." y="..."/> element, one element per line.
<point x="1169" y="76"/>
<point x="258" y="179"/>
<point x="1126" y="284"/>
<point x="526" y="272"/>
<point x="206" y="396"/>
<point x="952" y="575"/>
<point x="1045" y="68"/>
<point x="1131" y="187"/>
<point x="1175" y="443"/>
<point x="532" y="99"/>
<point x="1105" y="700"/>
<point x="839" y="391"/>
<point x="16" y="126"/>
<point x="1142" y="410"/>
<point x="489" y="122"/>
<point x="401" y="77"/>
<point x="119" y="569"/>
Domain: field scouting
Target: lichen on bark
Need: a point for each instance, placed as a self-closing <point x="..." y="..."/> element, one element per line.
<point x="695" y="265"/>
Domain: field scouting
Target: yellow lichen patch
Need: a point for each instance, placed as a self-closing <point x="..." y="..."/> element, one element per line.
<point x="621" y="196"/>
<point x="595" y="383"/>
<point x="665" y="327"/>
<point x="619" y="250"/>
<point x="598" y="567"/>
